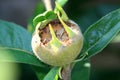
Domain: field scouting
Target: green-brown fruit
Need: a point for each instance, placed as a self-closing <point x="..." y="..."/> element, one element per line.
<point x="58" y="43"/>
<point x="57" y="40"/>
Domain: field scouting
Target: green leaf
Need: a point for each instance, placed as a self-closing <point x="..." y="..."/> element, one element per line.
<point x="50" y="15"/>
<point x="116" y="39"/>
<point x="19" y="56"/>
<point x="15" y="41"/>
<point x="40" y="8"/>
<point x="62" y="2"/>
<point x="81" y="71"/>
<point x="44" y="17"/>
<point x="53" y="74"/>
<point x="14" y="36"/>
<point x="38" y="19"/>
<point x="40" y="72"/>
<point x="98" y="35"/>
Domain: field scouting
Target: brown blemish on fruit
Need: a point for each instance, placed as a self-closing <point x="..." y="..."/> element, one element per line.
<point x="58" y="29"/>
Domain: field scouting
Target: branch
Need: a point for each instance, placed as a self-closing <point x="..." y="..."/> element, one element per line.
<point x="49" y="4"/>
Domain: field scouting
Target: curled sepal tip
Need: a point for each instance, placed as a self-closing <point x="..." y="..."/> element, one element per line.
<point x="66" y="27"/>
<point x="55" y="43"/>
<point x="60" y="9"/>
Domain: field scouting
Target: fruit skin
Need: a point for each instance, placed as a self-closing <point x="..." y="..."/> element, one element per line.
<point x="63" y="55"/>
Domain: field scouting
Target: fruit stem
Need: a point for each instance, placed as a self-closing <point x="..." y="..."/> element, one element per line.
<point x="49" y="4"/>
<point x="66" y="72"/>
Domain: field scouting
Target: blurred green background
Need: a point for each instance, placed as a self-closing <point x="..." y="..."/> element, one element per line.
<point x="105" y="65"/>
